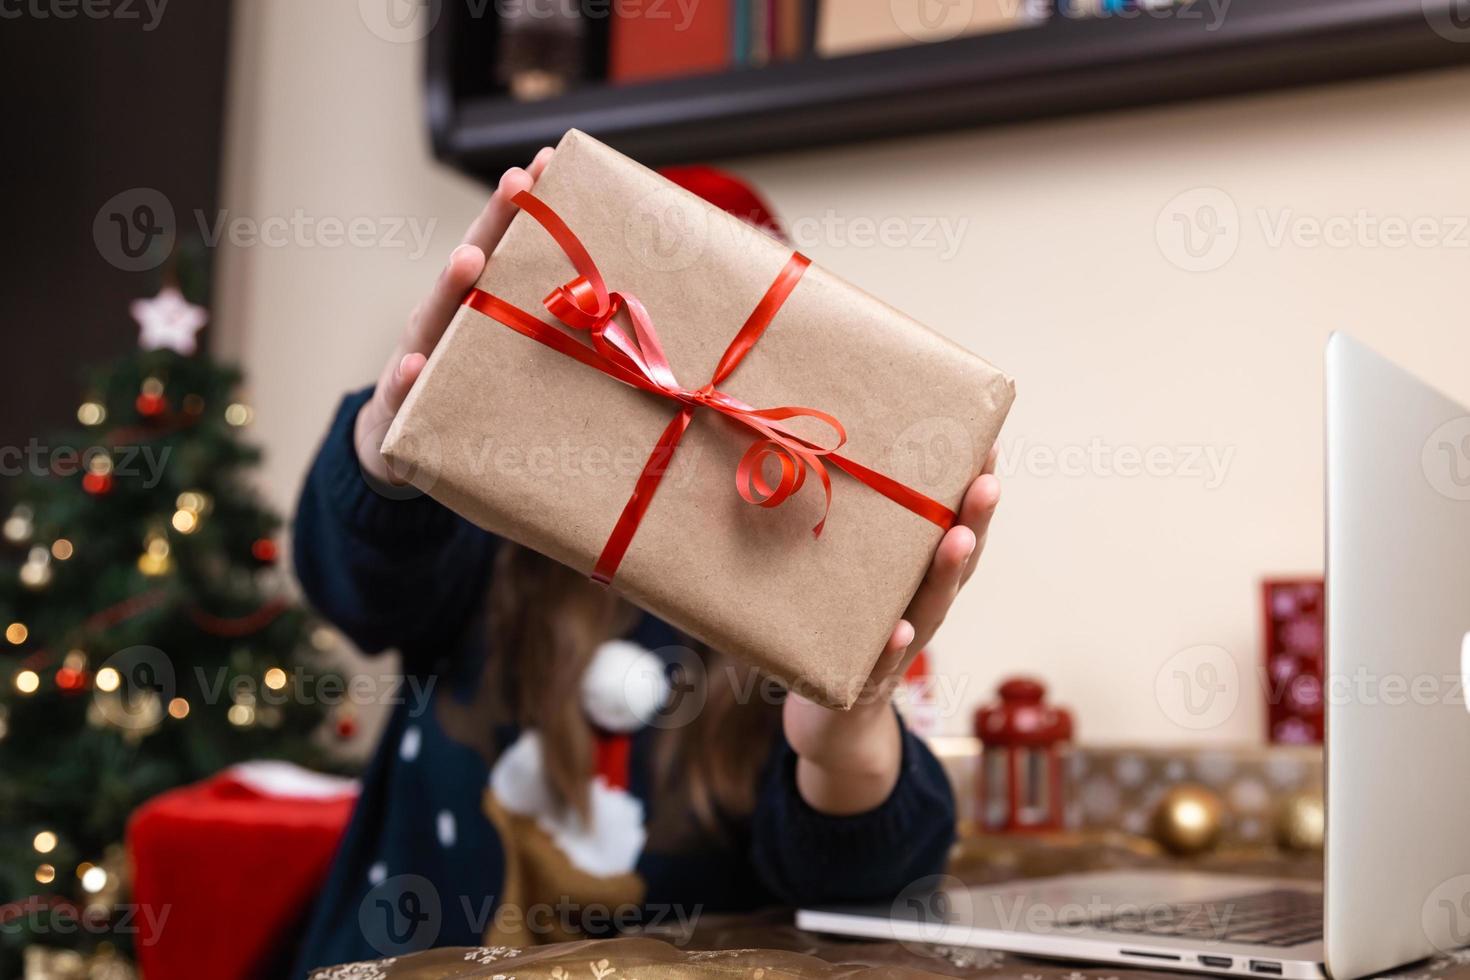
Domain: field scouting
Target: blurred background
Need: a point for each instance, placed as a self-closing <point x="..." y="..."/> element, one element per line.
<point x="1149" y="214"/>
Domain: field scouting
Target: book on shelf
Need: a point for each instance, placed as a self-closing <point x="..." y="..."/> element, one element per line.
<point x="854" y="26"/>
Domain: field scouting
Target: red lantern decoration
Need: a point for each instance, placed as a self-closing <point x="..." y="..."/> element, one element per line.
<point x="1020" y="784"/>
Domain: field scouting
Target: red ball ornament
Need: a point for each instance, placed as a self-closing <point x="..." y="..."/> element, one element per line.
<point x="71" y="680"/>
<point x="264" y="550"/>
<point x="151" y="405"/>
<point x="97" y="484"/>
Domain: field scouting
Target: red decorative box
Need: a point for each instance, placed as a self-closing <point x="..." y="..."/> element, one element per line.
<point x="1295" y="650"/>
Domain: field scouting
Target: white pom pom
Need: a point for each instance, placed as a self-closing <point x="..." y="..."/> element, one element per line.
<point x="623" y="687"/>
<point x="610" y="842"/>
<point x="518" y="779"/>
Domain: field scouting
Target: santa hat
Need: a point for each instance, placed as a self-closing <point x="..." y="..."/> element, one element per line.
<point x="728" y="193"/>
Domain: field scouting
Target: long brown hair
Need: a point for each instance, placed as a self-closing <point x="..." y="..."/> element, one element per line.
<point x="545" y="621"/>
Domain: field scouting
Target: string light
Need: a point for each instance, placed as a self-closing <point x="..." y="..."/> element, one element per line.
<point x="241" y="715"/>
<point x="108" y="680"/>
<point x="19" y="525"/>
<point x="178" y="708"/>
<point x="154" y="560"/>
<point x="94" y="879"/>
<point x="35" y="574"/>
<point x="61" y="549"/>
<point x="45" y="842"/>
<point x="185" y="521"/>
<point x="91" y="413"/>
<point x="16" y="634"/>
<point x="100" y="464"/>
<point x="196" y="500"/>
<point x="27" y="682"/>
<point x="275" y="678"/>
<point x="46" y="874"/>
<point x="238" y="414"/>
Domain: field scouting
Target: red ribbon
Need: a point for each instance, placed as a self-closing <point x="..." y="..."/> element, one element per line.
<point x="586" y="304"/>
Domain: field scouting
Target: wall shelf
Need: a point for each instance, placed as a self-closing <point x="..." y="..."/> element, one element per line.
<point x="1064" y="66"/>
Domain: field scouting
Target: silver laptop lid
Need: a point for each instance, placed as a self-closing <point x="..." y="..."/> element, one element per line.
<point x="1398" y="609"/>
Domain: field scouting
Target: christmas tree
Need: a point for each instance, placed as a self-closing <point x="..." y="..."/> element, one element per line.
<point x="147" y="638"/>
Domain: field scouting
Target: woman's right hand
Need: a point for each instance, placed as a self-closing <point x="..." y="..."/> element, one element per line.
<point x="428" y="321"/>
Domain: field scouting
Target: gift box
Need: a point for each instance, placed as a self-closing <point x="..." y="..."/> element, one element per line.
<point x="631" y="351"/>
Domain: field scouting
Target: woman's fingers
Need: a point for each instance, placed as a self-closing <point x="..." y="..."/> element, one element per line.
<point x="401" y="379"/>
<point x="432" y="317"/>
<point x="936" y="593"/>
<point x="543" y="157"/>
<point x="976" y="512"/>
<point x="487" y="229"/>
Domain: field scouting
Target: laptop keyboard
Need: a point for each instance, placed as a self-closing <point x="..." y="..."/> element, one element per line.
<point x="1280" y="917"/>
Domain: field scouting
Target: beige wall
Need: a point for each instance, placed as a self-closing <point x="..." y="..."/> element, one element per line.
<point x="1067" y="273"/>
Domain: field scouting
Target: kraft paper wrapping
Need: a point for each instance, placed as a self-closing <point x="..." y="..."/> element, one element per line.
<point x="545" y="451"/>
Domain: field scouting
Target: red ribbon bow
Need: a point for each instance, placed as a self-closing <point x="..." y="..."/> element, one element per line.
<point x="586" y="304"/>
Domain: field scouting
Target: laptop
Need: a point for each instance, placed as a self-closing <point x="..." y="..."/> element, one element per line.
<point x="1397" y="851"/>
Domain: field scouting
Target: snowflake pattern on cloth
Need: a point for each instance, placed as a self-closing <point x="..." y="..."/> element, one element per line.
<point x="377" y="970"/>
<point x="485" y="955"/>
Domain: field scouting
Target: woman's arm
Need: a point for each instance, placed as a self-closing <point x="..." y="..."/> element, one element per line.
<point x="386" y="564"/>
<point x="808" y="857"/>
<point x="850" y="760"/>
<point x="855" y="806"/>
<point x="389" y="568"/>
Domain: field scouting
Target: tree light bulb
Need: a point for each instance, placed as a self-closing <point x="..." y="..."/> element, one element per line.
<point x="94" y="879"/>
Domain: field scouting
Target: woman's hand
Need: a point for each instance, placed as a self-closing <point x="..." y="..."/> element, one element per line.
<point x="849" y="760"/>
<point x="428" y="321"/>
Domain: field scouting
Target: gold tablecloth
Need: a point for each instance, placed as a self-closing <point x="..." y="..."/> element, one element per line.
<point x="767" y="946"/>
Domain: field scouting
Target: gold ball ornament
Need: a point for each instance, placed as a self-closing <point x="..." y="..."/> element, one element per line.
<point x="1189" y="819"/>
<point x="1301" y="822"/>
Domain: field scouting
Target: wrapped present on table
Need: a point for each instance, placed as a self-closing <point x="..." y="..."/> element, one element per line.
<point x="630" y="349"/>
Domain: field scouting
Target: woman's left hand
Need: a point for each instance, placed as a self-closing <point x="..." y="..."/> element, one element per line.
<point x="849" y="760"/>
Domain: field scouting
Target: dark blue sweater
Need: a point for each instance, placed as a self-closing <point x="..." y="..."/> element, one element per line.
<point x="420" y="864"/>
